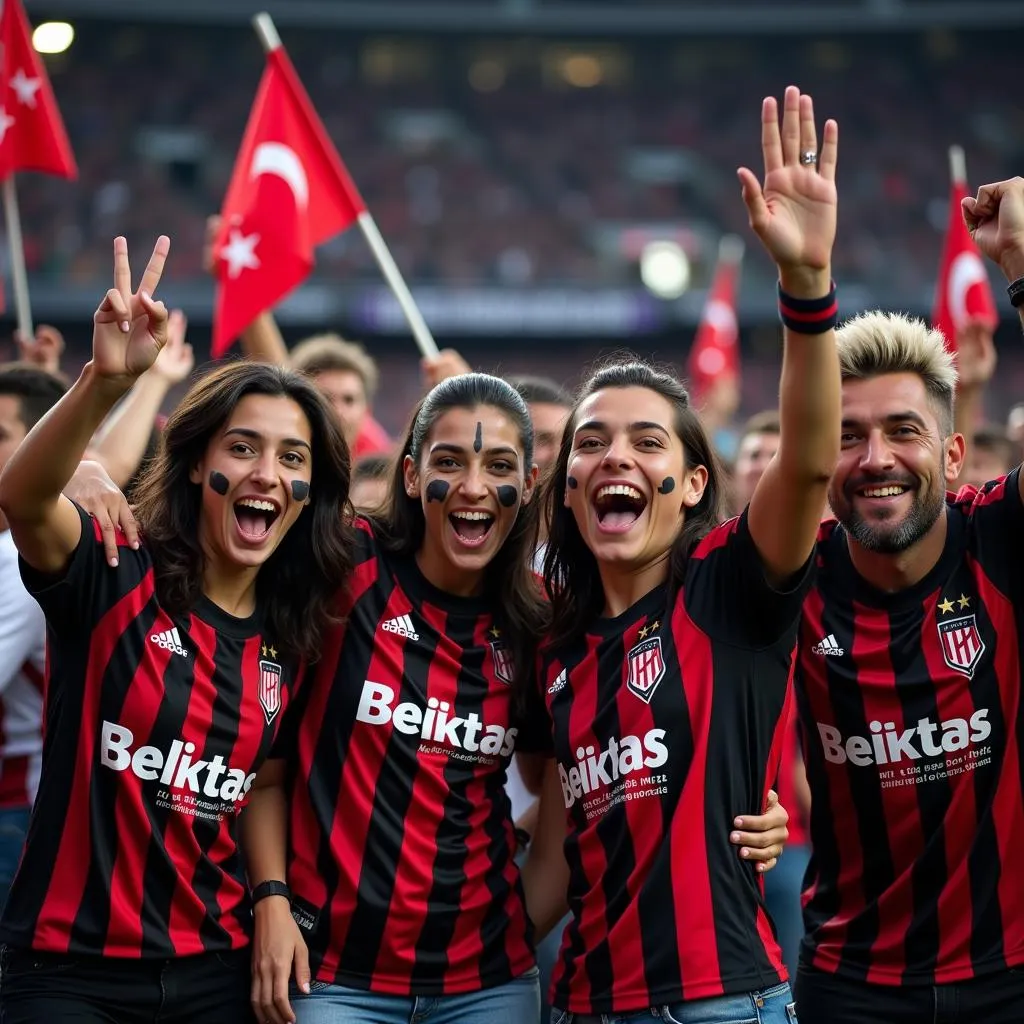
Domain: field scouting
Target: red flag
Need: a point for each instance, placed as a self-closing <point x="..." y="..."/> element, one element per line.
<point x="963" y="291"/>
<point x="715" y="352"/>
<point x="32" y="135"/>
<point x="289" y="192"/>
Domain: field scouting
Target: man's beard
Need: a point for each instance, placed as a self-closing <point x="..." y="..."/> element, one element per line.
<point x="891" y="540"/>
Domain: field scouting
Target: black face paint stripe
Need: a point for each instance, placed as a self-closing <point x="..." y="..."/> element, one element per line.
<point x="508" y="495"/>
<point x="218" y="482"/>
<point x="668" y="485"/>
<point x="572" y="482"/>
<point x="300" y="490"/>
<point x="437" y="490"/>
<point x="478" y="441"/>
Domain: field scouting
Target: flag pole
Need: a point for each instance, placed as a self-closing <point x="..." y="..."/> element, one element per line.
<point x="19" y="277"/>
<point x="957" y="165"/>
<point x="265" y="29"/>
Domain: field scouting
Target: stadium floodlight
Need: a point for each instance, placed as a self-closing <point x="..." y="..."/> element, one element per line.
<point x="53" y="37"/>
<point x="665" y="269"/>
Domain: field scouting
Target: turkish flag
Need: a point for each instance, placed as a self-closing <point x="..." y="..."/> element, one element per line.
<point x="963" y="291"/>
<point x="32" y="135"/>
<point x="289" y="193"/>
<point x="715" y="352"/>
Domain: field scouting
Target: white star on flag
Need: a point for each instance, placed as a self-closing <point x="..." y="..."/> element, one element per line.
<point x="239" y="253"/>
<point x="25" y="87"/>
<point x="5" y="122"/>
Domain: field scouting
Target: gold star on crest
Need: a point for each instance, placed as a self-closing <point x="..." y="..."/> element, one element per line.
<point x="654" y="625"/>
<point x="946" y="606"/>
<point x="964" y="602"/>
<point x="643" y="632"/>
<point x="263" y="650"/>
<point x="494" y="633"/>
<point x="273" y="651"/>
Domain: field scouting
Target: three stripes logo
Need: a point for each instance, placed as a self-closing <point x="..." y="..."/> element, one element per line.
<point x="828" y="646"/>
<point x="169" y="640"/>
<point x="401" y="625"/>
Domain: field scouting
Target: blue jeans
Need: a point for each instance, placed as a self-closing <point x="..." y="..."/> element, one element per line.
<point x="770" y="1006"/>
<point x="515" y="1002"/>
<point x="547" y="958"/>
<point x="782" y="898"/>
<point x="13" y="826"/>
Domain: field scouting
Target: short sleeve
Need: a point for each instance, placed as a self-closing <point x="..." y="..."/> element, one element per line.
<point x="533" y="722"/>
<point x="995" y="518"/>
<point x="727" y="594"/>
<point x="75" y="601"/>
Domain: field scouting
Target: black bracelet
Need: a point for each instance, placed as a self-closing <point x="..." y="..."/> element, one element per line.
<point x="1016" y="292"/>
<point x="809" y="316"/>
<point x="272" y="888"/>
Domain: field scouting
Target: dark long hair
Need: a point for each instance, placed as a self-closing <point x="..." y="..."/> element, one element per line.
<point x="298" y="584"/>
<point x="571" y="575"/>
<point x="510" y="586"/>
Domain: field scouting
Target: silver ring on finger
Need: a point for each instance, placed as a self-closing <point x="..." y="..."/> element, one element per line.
<point x="809" y="157"/>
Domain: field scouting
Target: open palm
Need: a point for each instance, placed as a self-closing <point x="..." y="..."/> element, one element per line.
<point x="794" y="211"/>
<point x="130" y="328"/>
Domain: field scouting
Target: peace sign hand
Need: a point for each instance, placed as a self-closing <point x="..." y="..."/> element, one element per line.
<point x="794" y="212"/>
<point x="130" y="329"/>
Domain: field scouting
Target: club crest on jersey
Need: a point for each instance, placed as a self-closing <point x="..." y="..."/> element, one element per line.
<point x="646" y="667"/>
<point x="962" y="646"/>
<point x="504" y="667"/>
<point x="270" y="684"/>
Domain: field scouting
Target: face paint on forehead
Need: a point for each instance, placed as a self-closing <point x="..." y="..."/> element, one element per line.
<point x="478" y="441"/>
<point x="668" y="485"/>
<point x="300" y="490"/>
<point x="508" y="495"/>
<point x="437" y="490"/>
<point x="218" y="483"/>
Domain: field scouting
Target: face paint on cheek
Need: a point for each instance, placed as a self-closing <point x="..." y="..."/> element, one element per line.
<point x="572" y="482"/>
<point x="437" y="490"/>
<point x="300" y="490"/>
<point x="508" y="495"/>
<point x="218" y="483"/>
<point x="478" y="441"/>
<point x="668" y="485"/>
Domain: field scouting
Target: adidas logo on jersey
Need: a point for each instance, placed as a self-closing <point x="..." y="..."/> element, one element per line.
<point x="619" y="759"/>
<point x="213" y="779"/>
<point x="169" y="640"/>
<point x="401" y="625"/>
<point x="560" y="682"/>
<point x="887" y="745"/>
<point x="377" y="707"/>
<point x="828" y="645"/>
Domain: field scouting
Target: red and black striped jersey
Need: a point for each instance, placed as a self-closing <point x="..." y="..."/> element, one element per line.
<point x="667" y="722"/>
<point x="912" y="725"/>
<point x="401" y="841"/>
<point x="154" y="726"/>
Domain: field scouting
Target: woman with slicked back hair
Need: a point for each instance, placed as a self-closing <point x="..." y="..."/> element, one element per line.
<point x="168" y="674"/>
<point x="387" y="854"/>
<point x="667" y="677"/>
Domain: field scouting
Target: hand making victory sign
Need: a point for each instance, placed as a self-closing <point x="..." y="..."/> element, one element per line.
<point x="130" y="328"/>
<point x="794" y="211"/>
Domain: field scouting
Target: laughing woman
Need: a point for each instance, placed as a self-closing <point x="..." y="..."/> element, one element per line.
<point x="668" y="679"/>
<point x="167" y="676"/>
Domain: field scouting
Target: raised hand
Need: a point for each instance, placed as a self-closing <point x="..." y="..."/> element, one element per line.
<point x="45" y="349"/>
<point x="176" y="360"/>
<point x="794" y="211"/>
<point x="975" y="354"/>
<point x="995" y="219"/>
<point x="129" y="329"/>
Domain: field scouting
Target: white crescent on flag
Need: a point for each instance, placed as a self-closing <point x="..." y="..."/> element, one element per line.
<point x="277" y="158"/>
<point x="965" y="271"/>
<point x="721" y="316"/>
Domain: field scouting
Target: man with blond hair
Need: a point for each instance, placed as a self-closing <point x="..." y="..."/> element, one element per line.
<point x="908" y="687"/>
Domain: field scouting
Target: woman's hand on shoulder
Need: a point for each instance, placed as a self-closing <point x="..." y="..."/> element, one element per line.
<point x="92" y="489"/>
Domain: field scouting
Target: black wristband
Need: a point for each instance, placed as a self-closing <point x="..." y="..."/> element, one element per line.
<point x="1016" y="292"/>
<point x="265" y="889"/>
<point x="809" y="316"/>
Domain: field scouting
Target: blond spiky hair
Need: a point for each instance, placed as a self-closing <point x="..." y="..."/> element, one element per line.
<point x="876" y="343"/>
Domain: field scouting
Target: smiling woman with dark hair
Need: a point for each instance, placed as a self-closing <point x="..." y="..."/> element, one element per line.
<point x="168" y="673"/>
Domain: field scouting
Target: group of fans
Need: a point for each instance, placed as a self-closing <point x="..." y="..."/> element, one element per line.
<point x="379" y="744"/>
